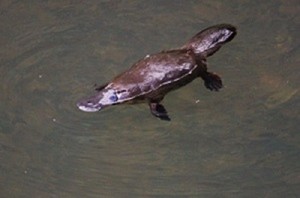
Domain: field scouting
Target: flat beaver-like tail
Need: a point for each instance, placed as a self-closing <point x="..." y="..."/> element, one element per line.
<point x="210" y="40"/>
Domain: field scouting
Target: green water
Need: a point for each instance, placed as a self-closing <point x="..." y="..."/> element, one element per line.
<point x="240" y="142"/>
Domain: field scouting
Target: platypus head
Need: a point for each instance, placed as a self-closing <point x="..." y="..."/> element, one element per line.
<point x="103" y="98"/>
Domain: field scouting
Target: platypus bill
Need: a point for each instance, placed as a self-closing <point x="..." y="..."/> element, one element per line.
<point x="152" y="77"/>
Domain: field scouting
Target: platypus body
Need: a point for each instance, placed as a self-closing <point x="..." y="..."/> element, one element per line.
<point x="152" y="77"/>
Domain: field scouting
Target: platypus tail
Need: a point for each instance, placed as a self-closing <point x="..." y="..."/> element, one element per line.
<point x="210" y="40"/>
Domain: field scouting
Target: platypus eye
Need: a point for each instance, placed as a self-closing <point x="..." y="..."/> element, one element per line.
<point x="113" y="98"/>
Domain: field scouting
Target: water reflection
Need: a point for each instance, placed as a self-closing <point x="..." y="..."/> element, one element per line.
<point x="240" y="142"/>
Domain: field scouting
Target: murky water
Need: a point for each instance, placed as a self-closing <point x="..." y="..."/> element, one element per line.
<point x="240" y="142"/>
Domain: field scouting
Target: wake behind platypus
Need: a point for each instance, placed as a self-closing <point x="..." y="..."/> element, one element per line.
<point x="152" y="77"/>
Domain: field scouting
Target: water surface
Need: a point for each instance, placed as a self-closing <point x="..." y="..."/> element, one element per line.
<point x="240" y="142"/>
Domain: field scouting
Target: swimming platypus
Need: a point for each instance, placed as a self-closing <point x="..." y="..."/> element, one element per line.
<point x="152" y="77"/>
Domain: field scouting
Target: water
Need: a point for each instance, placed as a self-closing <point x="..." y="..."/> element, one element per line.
<point x="240" y="142"/>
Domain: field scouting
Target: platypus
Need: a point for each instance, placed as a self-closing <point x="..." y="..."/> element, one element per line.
<point x="152" y="77"/>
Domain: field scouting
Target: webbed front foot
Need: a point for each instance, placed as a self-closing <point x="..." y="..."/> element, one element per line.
<point x="212" y="81"/>
<point x="159" y="111"/>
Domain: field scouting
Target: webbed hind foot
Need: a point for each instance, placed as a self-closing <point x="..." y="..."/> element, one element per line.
<point x="159" y="111"/>
<point x="212" y="81"/>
